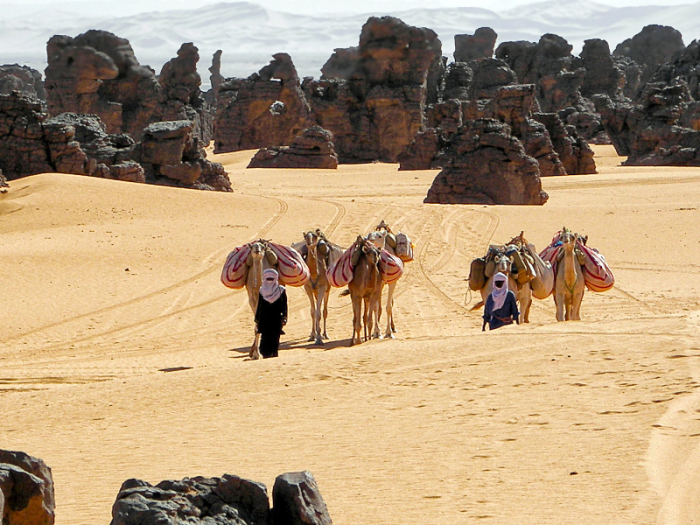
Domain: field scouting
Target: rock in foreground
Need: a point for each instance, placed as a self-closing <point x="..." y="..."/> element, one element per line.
<point x="26" y="490"/>
<point x="228" y="500"/>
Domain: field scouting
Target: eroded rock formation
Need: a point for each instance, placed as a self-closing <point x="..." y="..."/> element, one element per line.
<point x="172" y="154"/>
<point x="79" y="144"/>
<point x="97" y="73"/>
<point x="23" y="79"/>
<point x="169" y="153"/>
<point x="24" y="151"/>
<point x="265" y="110"/>
<point x="653" y="46"/>
<point x="372" y="97"/>
<point x="312" y="149"/>
<point x="491" y="168"/>
<point x="26" y="490"/>
<point x="296" y="500"/>
<point x="479" y="45"/>
<point x="559" y="78"/>
<point x="659" y="130"/>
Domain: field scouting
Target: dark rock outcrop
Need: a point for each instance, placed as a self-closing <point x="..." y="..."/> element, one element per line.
<point x="491" y="168"/>
<point x="685" y="66"/>
<point x="560" y="78"/>
<point x="510" y="104"/>
<point x="23" y="79"/>
<point x="265" y="110"/>
<point x="183" y="98"/>
<point x="575" y="153"/>
<point x="227" y="500"/>
<point x="342" y="63"/>
<point x="653" y="46"/>
<point x="79" y="144"/>
<point x="312" y="149"/>
<point x="172" y="154"/>
<point x="26" y="490"/>
<point x="97" y="73"/>
<point x="659" y="130"/>
<point x="375" y="105"/>
<point x="478" y="45"/>
<point x="296" y="500"/>
<point x="24" y="150"/>
<point x="602" y="75"/>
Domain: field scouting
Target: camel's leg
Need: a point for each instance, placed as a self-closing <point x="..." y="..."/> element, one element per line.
<point x="375" y="310"/>
<point x="525" y="303"/>
<point x="576" y="306"/>
<point x="317" y="316"/>
<point x="367" y="319"/>
<point x="567" y="307"/>
<point x="559" y="301"/>
<point x="390" y="329"/>
<point x="356" y="320"/>
<point x="326" y="295"/>
<point x="312" y="310"/>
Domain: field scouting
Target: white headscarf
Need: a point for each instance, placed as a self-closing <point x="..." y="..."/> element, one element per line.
<point x="271" y="289"/>
<point x="499" y="294"/>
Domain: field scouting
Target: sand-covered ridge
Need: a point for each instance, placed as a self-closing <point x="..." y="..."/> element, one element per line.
<point x="122" y="355"/>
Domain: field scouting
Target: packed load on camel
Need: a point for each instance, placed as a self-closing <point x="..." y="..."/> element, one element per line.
<point x="597" y="275"/>
<point x="341" y="273"/>
<point x="528" y="275"/>
<point x="576" y="267"/>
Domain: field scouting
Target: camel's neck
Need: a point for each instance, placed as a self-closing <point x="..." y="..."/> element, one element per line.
<point x="257" y="270"/>
<point x="569" y="267"/>
<point x="312" y="262"/>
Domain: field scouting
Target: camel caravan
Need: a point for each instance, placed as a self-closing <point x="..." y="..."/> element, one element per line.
<point x="317" y="264"/>
<point x="564" y="269"/>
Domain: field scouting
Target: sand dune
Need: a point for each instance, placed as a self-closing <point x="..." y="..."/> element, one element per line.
<point x="122" y="355"/>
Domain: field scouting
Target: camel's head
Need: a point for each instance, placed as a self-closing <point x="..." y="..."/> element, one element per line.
<point x="377" y="238"/>
<point x="371" y="251"/>
<point x="568" y="239"/>
<point x="503" y="264"/>
<point x="257" y="249"/>
<point x="311" y="238"/>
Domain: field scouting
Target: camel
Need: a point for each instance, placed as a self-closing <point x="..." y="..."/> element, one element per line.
<point x="379" y="237"/>
<point x="365" y="287"/>
<point x="569" y="283"/>
<point x="258" y="261"/>
<point x="319" y="253"/>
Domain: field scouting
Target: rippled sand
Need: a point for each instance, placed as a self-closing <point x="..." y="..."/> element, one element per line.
<point x="122" y="355"/>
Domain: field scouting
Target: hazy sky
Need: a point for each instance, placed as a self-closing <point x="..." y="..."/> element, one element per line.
<point x="110" y="7"/>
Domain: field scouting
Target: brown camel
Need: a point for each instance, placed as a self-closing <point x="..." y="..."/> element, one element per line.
<point x="365" y="287"/>
<point x="569" y="282"/>
<point x="319" y="253"/>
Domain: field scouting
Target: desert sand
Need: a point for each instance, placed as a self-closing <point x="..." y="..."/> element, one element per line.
<point x="123" y="356"/>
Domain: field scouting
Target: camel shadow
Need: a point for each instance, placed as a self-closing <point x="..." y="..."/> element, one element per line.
<point x="243" y="351"/>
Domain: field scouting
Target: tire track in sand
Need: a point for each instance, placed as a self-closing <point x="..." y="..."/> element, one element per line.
<point x="169" y="311"/>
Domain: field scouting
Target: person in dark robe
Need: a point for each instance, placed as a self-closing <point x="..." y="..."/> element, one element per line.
<point x="500" y="308"/>
<point x="271" y="314"/>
